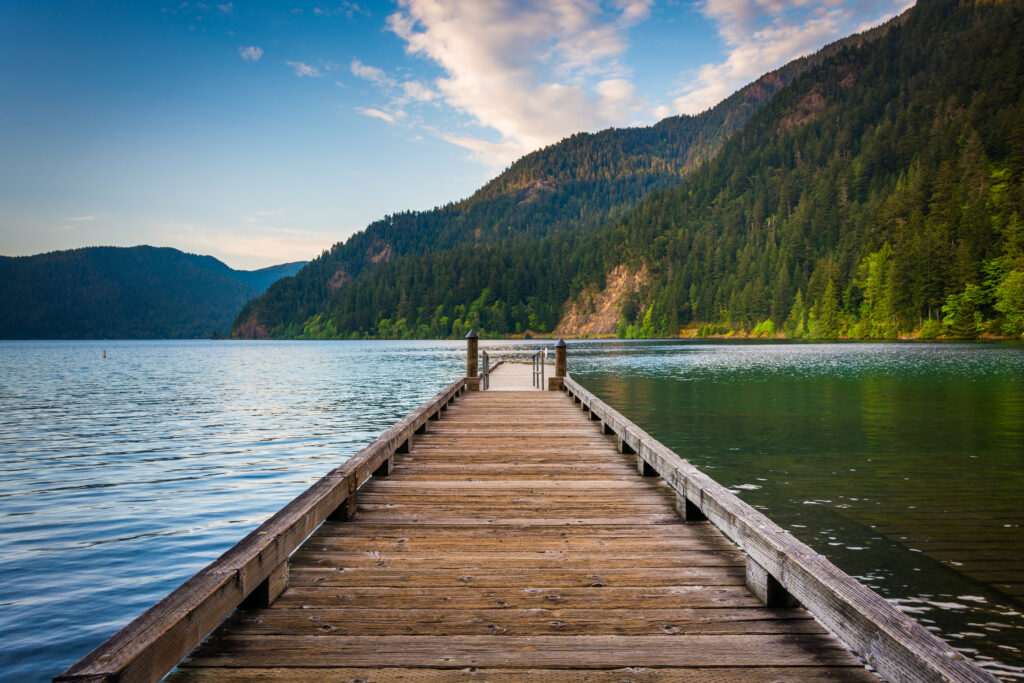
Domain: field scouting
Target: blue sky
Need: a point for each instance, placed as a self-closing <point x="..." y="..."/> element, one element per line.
<point x="263" y="132"/>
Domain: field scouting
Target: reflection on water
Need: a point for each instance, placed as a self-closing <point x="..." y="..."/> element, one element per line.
<point x="122" y="477"/>
<point x="903" y="463"/>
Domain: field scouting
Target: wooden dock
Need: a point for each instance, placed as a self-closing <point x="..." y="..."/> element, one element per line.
<point x="508" y="535"/>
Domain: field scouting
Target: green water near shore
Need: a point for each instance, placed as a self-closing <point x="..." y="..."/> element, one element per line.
<point x="903" y="463"/>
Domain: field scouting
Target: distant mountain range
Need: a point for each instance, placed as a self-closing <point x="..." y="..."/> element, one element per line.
<point x="125" y="293"/>
<point x="873" y="190"/>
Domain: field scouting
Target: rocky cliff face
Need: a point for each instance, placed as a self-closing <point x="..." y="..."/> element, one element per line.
<point x="595" y="313"/>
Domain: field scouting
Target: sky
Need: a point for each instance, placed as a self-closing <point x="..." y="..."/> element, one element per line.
<point x="264" y="132"/>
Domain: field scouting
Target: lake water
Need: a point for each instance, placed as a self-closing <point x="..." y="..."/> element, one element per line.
<point x="121" y="477"/>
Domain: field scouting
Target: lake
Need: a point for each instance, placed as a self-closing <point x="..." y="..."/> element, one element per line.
<point x="121" y="477"/>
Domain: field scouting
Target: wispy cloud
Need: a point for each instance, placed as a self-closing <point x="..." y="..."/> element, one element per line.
<point x="398" y="93"/>
<point x="252" y="53"/>
<point x="761" y="35"/>
<point x="418" y="91"/>
<point x="380" y="114"/>
<point x="527" y="72"/>
<point x="79" y="219"/>
<point x="303" y="70"/>
<point x="371" y="73"/>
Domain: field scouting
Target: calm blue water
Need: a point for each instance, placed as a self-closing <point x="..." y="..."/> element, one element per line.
<point x="122" y="477"/>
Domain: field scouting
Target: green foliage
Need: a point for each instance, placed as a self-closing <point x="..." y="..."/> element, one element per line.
<point x="876" y="314"/>
<point x="765" y="328"/>
<point x="931" y="330"/>
<point x="1009" y="297"/>
<point x="962" y="312"/>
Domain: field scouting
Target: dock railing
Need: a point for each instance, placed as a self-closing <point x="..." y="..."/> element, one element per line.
<point x="254" y="571"/>
<point x="782" y="571"/>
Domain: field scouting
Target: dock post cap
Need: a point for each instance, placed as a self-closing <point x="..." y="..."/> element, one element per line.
<point x="472" y="335"/>
<point x="560" y="344"/>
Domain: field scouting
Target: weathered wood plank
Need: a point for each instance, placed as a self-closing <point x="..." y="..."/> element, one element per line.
<point x="473" y="559"/>
<point x="475" y="674"/>
<point x="580" y="652"/>
<point x="497" y="578"/>
<point x="734" y="621"/>
<point x="633" y="597"/>
<point x="546" y="518"/>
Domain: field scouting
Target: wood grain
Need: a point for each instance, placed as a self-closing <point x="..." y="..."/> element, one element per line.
<point x="514" y="539"/>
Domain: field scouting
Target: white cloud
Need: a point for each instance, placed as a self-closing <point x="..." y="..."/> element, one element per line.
<point x="532" y="71"/>
<point x="762" y="35"/>
<point x="634" y="11"/>
<point x="251" y="53"/>
<point x="226" y="8"/>
<point x="418" y="91"/>
<point x="303" y="70"/>
<point x="371" y="73"/>
<point x="380" y="114"/>
<point x="79" y="219"/>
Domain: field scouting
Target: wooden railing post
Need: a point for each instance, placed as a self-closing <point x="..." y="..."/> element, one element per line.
<point x="269" y="589"/>
<point x="557" y="383"/>
<point x="472" y="346"/>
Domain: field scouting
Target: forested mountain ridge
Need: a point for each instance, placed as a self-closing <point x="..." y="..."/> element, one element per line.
<point x="128" y="293"/>
<point x="880" y="193"/>
<point x="574" y="186"/>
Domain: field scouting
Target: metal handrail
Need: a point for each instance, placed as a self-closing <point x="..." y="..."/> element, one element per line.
<point x="538" y="368"/>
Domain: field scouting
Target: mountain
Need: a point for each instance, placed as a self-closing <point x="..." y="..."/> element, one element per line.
<point x="573" y="187"/>
<point x="131" y="293"/>
<point x="880" y="192"/>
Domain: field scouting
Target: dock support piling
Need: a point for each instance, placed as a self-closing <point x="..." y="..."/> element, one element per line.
<point x="687" y="510"/>
<point x="385" y="468"/>
<point x="766" y="587"/>
<point x="269" y="589"/>
<point x="472" y="347"/>
<point x="557" y="383"/>
<point x="644" y="469"/>
<point x="345" y="511"/>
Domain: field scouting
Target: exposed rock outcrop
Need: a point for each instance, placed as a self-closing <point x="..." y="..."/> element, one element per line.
<point x="595" y="313"/>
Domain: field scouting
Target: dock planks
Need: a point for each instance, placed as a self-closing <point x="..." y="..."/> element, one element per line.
<point x="514" y="541"/>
